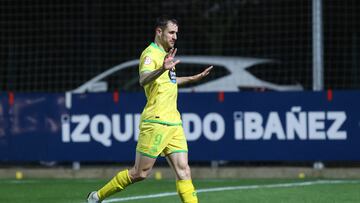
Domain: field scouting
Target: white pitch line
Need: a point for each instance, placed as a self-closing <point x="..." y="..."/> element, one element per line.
<point x="243" y="187"/>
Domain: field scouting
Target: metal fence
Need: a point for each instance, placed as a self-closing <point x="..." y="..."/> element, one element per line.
<point x="55" y="46"/>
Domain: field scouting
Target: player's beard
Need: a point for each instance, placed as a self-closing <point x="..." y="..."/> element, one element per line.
<point x="170" y="45"/>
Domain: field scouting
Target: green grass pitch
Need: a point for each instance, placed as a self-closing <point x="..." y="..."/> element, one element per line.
<point x="209" y="191"/>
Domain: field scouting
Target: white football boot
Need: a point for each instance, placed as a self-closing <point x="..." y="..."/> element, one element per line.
<point x="93" y="198"/>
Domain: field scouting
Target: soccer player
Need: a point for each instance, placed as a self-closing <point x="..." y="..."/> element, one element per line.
<point x="161" y="131"/>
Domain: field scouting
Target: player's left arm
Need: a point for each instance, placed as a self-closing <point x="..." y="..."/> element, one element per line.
<point x="193" y="78"/>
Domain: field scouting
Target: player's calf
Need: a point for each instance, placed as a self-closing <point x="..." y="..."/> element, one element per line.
<point x="116" y="184"/>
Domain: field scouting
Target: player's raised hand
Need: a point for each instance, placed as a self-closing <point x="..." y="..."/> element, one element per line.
<point x="169" y="62"/>
<point x="172" y="52"/>
<point x="206" y="71"/>
<point x="203" y="74"/>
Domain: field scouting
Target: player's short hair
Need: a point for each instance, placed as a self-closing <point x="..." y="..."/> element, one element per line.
<point x="162" y="21"/>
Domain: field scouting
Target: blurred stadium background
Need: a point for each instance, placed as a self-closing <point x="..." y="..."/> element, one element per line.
<point x="53" y="47"/>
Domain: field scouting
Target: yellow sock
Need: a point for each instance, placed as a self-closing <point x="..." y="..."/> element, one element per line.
<point x="116" y="184"/>
<point x="186" y="190"/>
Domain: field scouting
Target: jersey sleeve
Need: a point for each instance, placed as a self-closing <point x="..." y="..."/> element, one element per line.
<point x="147" y="63"/>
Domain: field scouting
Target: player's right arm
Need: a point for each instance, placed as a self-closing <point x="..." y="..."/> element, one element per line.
<point x="148" y="76"/>
<point x="147" y="72"/>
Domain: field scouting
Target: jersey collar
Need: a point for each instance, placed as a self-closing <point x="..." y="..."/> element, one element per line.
<point x="157" y="47"/>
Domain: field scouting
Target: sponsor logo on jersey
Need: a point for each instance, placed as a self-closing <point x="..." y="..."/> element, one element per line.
<point x="147" y="60"/>
<point x="172" y="75"/>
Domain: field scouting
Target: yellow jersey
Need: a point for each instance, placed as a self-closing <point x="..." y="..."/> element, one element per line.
<point x="161" y="94"/>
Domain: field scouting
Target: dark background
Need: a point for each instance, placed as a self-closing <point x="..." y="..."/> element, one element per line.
<point x="54" y="46"/>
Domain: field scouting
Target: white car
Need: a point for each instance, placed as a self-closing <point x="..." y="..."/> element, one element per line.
<point x="230" y="74"/>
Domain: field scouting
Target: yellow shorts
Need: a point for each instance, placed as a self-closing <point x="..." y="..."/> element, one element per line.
<point x="155" y="139"/>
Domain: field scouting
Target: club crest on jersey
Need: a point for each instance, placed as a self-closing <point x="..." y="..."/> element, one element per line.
<point x="147" y="60"/>
<point x="172" y="75"/>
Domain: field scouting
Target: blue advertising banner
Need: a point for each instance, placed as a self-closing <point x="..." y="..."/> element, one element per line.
<point x="246" y="126"/>
<point x="4" y="126"/>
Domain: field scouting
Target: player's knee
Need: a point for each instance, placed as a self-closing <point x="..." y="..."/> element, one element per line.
<point x="139" y="175"/>
<point x="143" y="175"/>
<point x="184" y="172"/>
